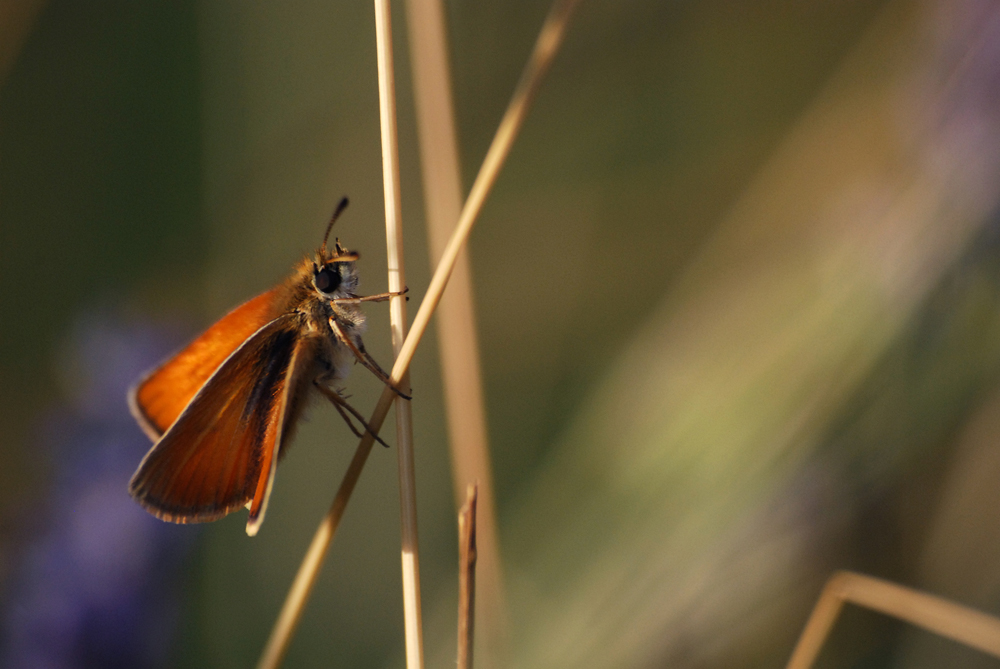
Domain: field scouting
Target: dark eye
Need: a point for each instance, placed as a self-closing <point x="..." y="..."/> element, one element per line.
<point x="327" y="280"/>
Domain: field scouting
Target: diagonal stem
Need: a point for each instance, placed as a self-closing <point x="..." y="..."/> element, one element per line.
<point x="546" y="47"/>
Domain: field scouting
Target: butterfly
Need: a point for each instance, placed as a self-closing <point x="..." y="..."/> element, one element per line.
<point x="222" y="411"/>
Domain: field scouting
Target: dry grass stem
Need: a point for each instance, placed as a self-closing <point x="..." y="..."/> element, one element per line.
<point x="397" y="312"/>
<point x="467" y="577"/>
<point x="544" y="52"/>
<point x="305" y="578"/>
<point x="954" y="621"/>
<point x="456" y="317"/>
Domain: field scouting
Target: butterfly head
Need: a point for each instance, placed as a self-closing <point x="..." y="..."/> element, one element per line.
<point x="336" y="275"/>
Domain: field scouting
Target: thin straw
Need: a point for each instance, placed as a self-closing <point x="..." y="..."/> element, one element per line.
<point x="541" y="58"/>
<point x="397" y="312"/>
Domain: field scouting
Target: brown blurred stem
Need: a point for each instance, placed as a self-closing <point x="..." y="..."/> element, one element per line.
<point x="467" y="577"/>
<point x="17" y="19"/>
<point x="456" y="315"/>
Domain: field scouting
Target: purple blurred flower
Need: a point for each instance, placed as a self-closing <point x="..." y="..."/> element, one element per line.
<point x="97" y="581"/>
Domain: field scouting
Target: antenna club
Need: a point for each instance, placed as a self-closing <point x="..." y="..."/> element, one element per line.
<point x="341" y="206"/>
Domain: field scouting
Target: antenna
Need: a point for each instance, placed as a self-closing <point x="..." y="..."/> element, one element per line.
<point x="333" y="219"/>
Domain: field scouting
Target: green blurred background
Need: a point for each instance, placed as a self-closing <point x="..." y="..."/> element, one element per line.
<point x="737" y="289"/>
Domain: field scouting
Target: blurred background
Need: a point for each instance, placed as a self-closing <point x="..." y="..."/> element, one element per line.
<point x="738" y="291"/>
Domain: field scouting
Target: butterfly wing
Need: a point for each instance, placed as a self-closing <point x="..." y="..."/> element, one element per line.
<point x="159" y="398"/>
<point x="221" y="451"/>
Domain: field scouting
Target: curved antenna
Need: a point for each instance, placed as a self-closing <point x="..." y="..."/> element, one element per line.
<point x="333" y="219"/>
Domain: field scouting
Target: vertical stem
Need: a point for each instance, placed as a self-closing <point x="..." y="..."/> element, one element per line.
<point x="467" y="554"/>
<point x="456" y="317"/>
<point x="397" y="314"/>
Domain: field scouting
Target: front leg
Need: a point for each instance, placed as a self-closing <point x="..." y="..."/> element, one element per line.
<point x="381" y="297"/>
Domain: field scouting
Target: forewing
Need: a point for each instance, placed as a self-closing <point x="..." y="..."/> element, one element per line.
<point x="208" y="463"/>
<point x="158" y="399"/>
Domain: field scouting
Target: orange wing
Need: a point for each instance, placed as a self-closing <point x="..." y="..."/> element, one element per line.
<point x="159" y="398"/>
<point x="220" y="452"/>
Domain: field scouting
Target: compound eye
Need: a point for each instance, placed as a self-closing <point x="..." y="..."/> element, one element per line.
<point x="327" y="280"/>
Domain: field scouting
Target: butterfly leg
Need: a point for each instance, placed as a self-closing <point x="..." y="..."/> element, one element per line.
<point x="381" y="297"/>
<point x="342" y="406"/>
<point x="365" y="358"/>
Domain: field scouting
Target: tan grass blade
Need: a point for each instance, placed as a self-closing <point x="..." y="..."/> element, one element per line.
<point x="954" y="621"/>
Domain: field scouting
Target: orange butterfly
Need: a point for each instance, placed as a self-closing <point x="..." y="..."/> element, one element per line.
<point x="222" y="411"/>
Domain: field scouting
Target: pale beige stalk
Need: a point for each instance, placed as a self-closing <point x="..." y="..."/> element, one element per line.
<point x="541" y="58"/>
<point x="397" y="312"/>
<point x="954" y="621"/>
<point x="456" y="317"/>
